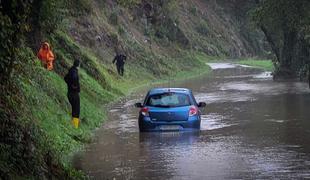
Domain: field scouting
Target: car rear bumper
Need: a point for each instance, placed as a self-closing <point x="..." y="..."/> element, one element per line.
<point x="146" y="124"/>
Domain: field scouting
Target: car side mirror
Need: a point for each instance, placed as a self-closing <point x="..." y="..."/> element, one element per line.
<point x="202" y="104"/>
<point x="138" y="105"/>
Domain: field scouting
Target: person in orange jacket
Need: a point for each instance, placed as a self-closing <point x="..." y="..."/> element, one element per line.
<point x="46" y="56"/>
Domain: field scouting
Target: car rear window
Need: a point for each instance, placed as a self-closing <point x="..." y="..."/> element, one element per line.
<point x="169" y="99"/>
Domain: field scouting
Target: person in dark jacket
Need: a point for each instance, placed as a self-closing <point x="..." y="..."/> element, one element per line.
<point x="72" y="80"/>
<point x="120" y="61"/>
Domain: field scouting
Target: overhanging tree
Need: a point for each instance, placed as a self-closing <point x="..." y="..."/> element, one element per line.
<point x="282" y="22"/>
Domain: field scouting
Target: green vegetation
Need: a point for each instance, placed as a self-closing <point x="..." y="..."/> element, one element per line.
<point x="50" y="111"/>
<point x="37" y="139"/>
<point x="285" y="24"/>
<point x="263" y="64"/>
<point x="202" y="28"/>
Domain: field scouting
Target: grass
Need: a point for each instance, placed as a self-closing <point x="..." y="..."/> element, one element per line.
<point x="45" y="92"/>
<point x="204" y="58"/>
<point x="49" y="109"/>
<point x="261" y="64"/>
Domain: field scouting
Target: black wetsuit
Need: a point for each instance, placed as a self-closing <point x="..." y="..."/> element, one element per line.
<point x="120" y="61"/>
<point x="72" y="80"/>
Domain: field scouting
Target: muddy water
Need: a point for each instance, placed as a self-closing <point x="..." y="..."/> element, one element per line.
<point x="252" y="128"/>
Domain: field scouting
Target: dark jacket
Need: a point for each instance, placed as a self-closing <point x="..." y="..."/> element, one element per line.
<point x="119" y="59"/>
<point x="72" y="80"/>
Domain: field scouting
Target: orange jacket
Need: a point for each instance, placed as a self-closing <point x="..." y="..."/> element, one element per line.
<point x="46" y="56"/>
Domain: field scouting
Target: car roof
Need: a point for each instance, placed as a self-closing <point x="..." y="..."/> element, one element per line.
<point x="163" y="90"/>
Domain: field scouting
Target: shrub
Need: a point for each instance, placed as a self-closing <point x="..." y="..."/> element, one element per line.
<point x="51" y="15"/>
<point x="202" y="28"/>
<point x="113" y="19"/>
<point x="193" y="10"/>
<point x="121" y="30"/>
<point x="79" y="7"/>
<point x="128" y="3"/>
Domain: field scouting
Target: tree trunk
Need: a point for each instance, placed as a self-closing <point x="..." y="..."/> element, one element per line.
<point x="269" y="38"/>
<point x="287" y="55"/>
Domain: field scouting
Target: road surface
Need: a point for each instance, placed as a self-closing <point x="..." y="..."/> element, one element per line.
<point x="252" y="128"/>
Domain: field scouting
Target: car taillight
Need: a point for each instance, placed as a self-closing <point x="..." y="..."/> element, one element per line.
<point x="193" y="110"/>
<point x="145" y="111"/>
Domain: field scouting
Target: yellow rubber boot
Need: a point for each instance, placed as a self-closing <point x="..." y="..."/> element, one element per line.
<point x="75" y="122"/>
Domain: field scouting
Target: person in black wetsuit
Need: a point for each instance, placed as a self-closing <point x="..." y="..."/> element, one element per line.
<point x="120" y="61"/>
<point x="72" y="80"/>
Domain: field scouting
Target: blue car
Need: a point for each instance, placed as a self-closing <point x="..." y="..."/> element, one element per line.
<point x="169" y="109"/>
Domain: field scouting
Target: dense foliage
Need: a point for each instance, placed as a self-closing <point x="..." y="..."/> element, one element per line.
<point x="23" y="144"/>
<point x="285" y="24"/>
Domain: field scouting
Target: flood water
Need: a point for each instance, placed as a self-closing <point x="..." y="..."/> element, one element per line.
<point x="252" y="128"/>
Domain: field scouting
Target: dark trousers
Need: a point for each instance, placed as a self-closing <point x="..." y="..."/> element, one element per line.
<point x="74" y="99"/>
<point x="120" y="69"/>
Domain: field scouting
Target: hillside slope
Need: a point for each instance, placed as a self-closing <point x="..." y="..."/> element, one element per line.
<point x="161" y="39"/>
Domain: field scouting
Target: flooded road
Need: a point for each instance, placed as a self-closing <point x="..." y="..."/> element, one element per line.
<point x="252" y="128"/>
